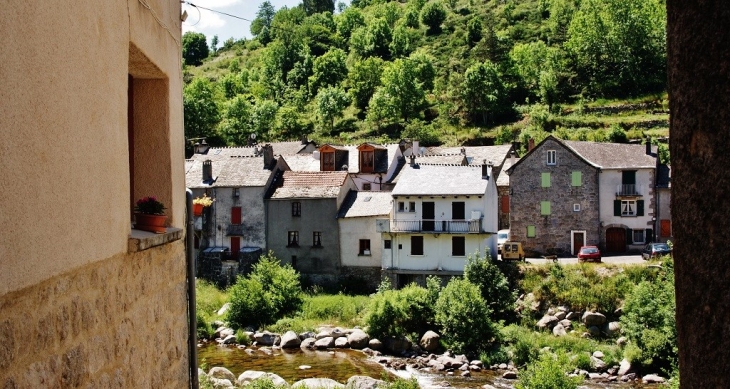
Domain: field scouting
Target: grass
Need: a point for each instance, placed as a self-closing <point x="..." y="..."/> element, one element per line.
<point x="337" y="310"/>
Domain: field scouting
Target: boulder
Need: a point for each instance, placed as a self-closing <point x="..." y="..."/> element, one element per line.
<point x="652" y="379"/>
<point x="358" y="339"/>
<point x="436" y="365"/>
<point x="559" y="330"/>
<point x="628" y="377"/>
<point x="573" y="316"/>
<point x="593" y="319"/>
<point x="290" y="339"/>
<point x="430" y="341"/>
<point x="624" y="368"/>
<point x="560" y="315"/>
<point x="622" y="341"/>
<point x="307" y="343"/>
<point x="364" y="382"/>
<point x="319" y="383"/>
<point x="230" y="339"/>
<point x="222" y="332"/>
<point x="476" y="363"/>
<point x="594" y="331"/>
<point x="509" y="375"/>
<point x="251" y="375"/>
<point x="220" y="383"/>
<point x="222" y="373"/>
<point x="341" y="342"/>
<point x="547" y="321"/>
<point x="598" y="354"/>
<point x="598" y="364"/>
<point x="449" y="362"/>
<point x="466" y="373"/>
<point x="567" y="324"/>
<point x="375" y="344"/>
<point x="397" y="345"/>
<point x="327" y="342"/>
<point x="307" y="335"/>
<point x="612" y="328"/>
<point x="265" y="338"/>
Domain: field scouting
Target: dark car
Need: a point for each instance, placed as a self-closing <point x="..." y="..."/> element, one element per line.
<point x="589" y="253"/>
<point x="654" y="250"/>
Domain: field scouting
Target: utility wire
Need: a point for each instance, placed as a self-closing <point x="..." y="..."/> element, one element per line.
<point x="231" y="15"/>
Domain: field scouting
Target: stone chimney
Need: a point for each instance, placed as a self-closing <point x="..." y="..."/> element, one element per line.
<point x="207" y="170"/>
<point x="512" y="158"/>
<point x="268" y="151"/>
<point x="416" y="148"/>
<point x="648" y="146"/>
<point x="412" y="160"/>
<point x="530" y="145"/>
<point x="463" y="151"/>
<point x="201" y="147"/>
<point x="305" y="140"/>
<point x="486" y="169"/>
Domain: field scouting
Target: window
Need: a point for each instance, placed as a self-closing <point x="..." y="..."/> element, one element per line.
<point x="576" y="178"/>
<point x="366" y="186"/>
<point x="628" y="208"/>
<point x="576" y="207"/>
<point x="401" y="206"/>
<point x="317" y="239"/>
<point x="366" y="161"/>
<point x="530" y="231"/>
<point x="457" y="210"/>
<point x="296" y="208"/>
<point x="364" y="247"/>
<point x="411" y="206"/>
<point x="551" y="157"/>
<point x="638" y="236"/>
<point x="236" y="192"/>
<point x="544" y="208"/>
<point x="416" y="245"/>
<point x="236" y="215"/>
<point x="458" y="248"/>
<point x="328" y="161"/>
<point x="293" y="239"/>
<point x="387" y="244"/>
<point x="545" y="180"/>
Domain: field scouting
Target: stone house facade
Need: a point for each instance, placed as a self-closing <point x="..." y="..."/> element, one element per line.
<point x="95" y="118"/>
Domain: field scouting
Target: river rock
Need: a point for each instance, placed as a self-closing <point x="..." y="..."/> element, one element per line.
<point x="430" y="341"/>
<point x="358" y="339"/>
<point x="593" y="319"/>
<point x="449" y="362"/>
<point x="612" y="328"/>
<point x="652" y="379"/>
<point x="307" y="343"/>
<point x="560" y="315"/>
<point x="375" y="344"/>
<point x="622" y="341"/>
<point x="327" y="342"/>
<point x="547" y="321"/>
<point x="319" y="383"/>
<point x="598" y="354"/>
<point x="477" y="363"/>
<point x="230" y="339"/>
<point x="222" y="332"/>
<point x="628" y="377"/>
<point x="251" y="375"/>
<point x="509" y="375"/>
<point x="624" y="368"/>
<point x="290" y="339"/>
<point x="594" y="331"/>
<point x="265" y="338"/>
<point x="307" y="335"/>
<point x="487" y="386"/>
<point x="222" y="373"/>
<point x="224" y="309"/>
<point x="559" y="330"/>
<point x="567" y="324"/>
<point x="341" y="342"/>
<point x="220" y="383"/>
<point x="466" y="373"/>
<point x="364" y="382"/>
<point x="597" y="364"/>
<point x="397" y="345"/>
<point x="573" y="316"/>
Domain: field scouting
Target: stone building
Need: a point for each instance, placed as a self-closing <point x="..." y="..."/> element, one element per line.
<point x="92" y="105"/>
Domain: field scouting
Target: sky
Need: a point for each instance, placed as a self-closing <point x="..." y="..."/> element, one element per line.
<point x="210" y="23"/>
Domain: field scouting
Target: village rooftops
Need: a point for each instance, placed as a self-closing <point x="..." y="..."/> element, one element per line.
<point x="364" y="204"/>
<point x="280" y="148"/>
<point x="614" y="155"/>
<point x="432" y="180"/>
<point x="291" y="184"/>
<point x="229" y="172"/>
<point x="475" y="155"/>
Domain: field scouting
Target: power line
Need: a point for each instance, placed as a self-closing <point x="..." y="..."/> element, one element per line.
<point x="231" y="15"/>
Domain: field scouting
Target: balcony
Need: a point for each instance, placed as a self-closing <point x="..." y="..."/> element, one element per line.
<point x="234" y="230"/>
<point x="437" y="226"/>
<point x="627" y="190"/>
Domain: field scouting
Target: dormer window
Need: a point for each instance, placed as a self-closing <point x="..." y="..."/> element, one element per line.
<point x="367" y="164"/>
<point x="328" y="161"/>
<point x="551" y="157"/>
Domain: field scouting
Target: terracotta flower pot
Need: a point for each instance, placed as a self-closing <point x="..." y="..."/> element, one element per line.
<point x="151" y="223"/>
<point x="197" y="209"/>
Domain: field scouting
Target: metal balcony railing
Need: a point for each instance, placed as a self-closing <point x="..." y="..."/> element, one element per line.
<point x="440" y="226"/>
<point x="627" y="190"/>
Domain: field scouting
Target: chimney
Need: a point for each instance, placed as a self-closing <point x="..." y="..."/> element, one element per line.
<point x="648" y="146"/>
<point x="486" y="169"/>
<point x="463" y="151"/>
<point x="207" y="170"/>
<point x="413" y="160"/>
<point x="268" y="151"/>
<point x="201" y="148"/>
<point x="512" y="158"/>
<point x="530" y="145"/>
<point x="415" y="149"/>
<point x="304" y="140"/>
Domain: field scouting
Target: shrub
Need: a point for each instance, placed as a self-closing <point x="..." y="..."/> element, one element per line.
<point x="495" y="290"/>
<point x="269" y="293"/>
<point x="403" y="312"/>
<point x="242" y="337"/>
<point x="401" y="383"/>
<point x="547" y="373"/>
<point x="464" y="318"/>
<point x="204" y="329"/>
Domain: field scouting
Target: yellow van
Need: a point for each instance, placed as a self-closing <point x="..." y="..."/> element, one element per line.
<point x="512" y="251"/>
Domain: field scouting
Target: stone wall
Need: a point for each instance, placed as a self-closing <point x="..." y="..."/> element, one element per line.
<point x="360" y="279"/>
<point x="119" y="322"/>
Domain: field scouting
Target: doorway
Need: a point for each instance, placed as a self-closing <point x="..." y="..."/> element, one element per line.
<point x="615" y="240"/>
<point x="429" y="214"/>
<point x="578" y="240"/>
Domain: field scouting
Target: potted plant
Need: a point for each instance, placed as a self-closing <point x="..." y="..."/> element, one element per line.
<point x="150" y="215"/>
<point x="200" y="202"/>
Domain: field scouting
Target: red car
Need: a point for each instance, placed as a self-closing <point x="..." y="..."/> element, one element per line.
<point x="589" y="253"/>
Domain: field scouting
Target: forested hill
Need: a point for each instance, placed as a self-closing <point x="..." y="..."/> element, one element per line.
<point x="442" y="71"/>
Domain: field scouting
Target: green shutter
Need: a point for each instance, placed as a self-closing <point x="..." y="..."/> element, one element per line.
<point x="530" y="231"/>
<point x="544" y="207"/>
<point x="577" y="178"/>
<point x="616" y="207"/>
<point x="546" y="180"/>
<point x="640" y="208"/>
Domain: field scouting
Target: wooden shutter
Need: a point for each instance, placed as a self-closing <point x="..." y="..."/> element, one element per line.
<point x="544" y="208"/>
<point x="235" y="246"/>
<point x="649" y="235"/>
<point x="640" y="208"/>
<point x="629" y="236"/>
<point x="616" y="207"/>
<point x="546" y="180"/>
<point x="530" y="231"/>
<point x="666" y="228"/>
<point x="576" y="178"/>
<point x="236" y="215"/>
<point x="505" y="204"/>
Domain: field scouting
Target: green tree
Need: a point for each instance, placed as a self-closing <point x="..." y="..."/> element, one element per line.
<point x="432" y="15"/>
<point x="483" y="92"/>
<point x="425" y="70"/>
<point x="236" y="124"/>
<point x="401" y="86"/>
<point x="200" y="109"/>
<point x="264" y="17"/>
<point x="363" y="79"/>
<point x="263" y="117"/>
<point x="350" y="19"/>
<point x="328" y="70"/>
<point x="529" y="60"/>
<point x="195" y="48"/>
<point x="214" y="44"/>
<point x="232" y="85"/>
<point x="493" y="285"/>
<point x="561" y="14"/>
<point x="402" y="44"/>
<point x="379" y="38"/>
<point x="464" y="318"/>
<point x="331" y="101"/>
<point x="474" y="30"/>
<point x="317" y="6"/>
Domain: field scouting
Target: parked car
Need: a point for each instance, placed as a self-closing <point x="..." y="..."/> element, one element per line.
<point x="653" y="250"/>
<point x="502" y="236"/>
<point x="589" y="253"/>
<point x="512" y="250"/>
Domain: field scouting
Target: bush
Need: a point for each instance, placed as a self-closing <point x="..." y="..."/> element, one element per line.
<point x="269" y="293"/>
<point x="404" y="312"/>
<point x="495" y="290"/>
<point x="204" y="329"/>
<point x="464" y="318"/>
<point x="547" y="373"/>
<point x="242" y="337"/>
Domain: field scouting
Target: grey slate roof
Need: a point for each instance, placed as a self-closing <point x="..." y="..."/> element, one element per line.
<point x="291" y="185"/>
<point x="279" y="148"/>
<point x="302" y="162"/>
<point x="230" y="172"/>
<point x="430" y="180"/>
<point x="363" y="204"/>
<point x="613" y="155"/>
<point x="503" y="177"/>
<point x="475" y="154"/>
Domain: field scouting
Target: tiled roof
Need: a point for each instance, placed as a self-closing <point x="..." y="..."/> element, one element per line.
<point x="613" y="155"/>
<point x="475" y="154"/>
<point x="440" y="180"/>
<point x="230" y="172"/>
<point x="308" y="185"/>
<point x="362" y="204"/>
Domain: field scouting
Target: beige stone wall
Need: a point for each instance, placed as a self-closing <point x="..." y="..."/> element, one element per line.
<point x="118" y="323"/>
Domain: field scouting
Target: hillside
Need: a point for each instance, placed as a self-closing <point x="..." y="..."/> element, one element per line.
<point x="446" y="72"/>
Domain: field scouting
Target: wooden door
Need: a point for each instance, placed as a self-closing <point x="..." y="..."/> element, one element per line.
<point x="429" y="213"/>
<point x="235" y="247"/>
<point x="236" y="215"/>
<point x="615" y="240"/>
<point x="578" y="239"/>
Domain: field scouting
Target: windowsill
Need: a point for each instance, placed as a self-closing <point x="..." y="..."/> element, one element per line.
<point x="142" y="240"/>
<point x="364" y="255"/>
<point x="458" y="256"/>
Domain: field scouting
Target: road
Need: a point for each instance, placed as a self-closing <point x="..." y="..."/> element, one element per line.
<point x="612" y="259"/>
